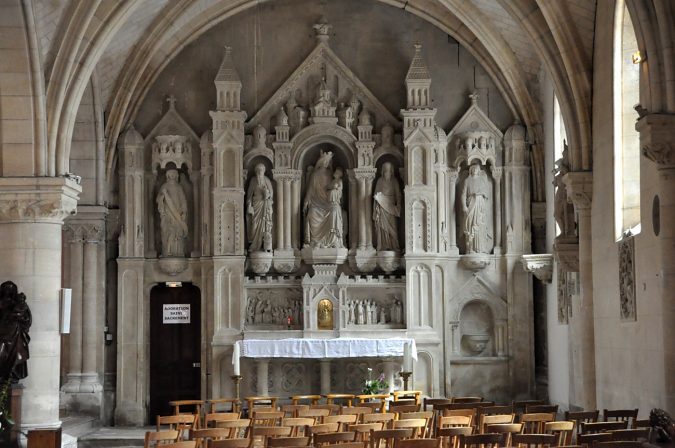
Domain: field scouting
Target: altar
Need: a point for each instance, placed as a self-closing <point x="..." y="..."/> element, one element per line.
<point x="396" y="354"/>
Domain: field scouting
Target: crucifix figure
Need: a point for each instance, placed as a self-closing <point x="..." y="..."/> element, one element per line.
<point x="172" y="101"/>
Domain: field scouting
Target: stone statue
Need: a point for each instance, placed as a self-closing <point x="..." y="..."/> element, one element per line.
<point x="474" y="200"/>
<point x="259" y="211"/>
<point x="563" y="211"/>
<point x="259" y="137"/>
<point x="350" y="318"/>
<point x="360" y="314"/>
<point x="322" y="206"/>
<point x="397" y="312"/>
<point x="250" y="310"/>
<point x="15" y="321"/>
<point x="387" y="209"/>
<point x="172" y="207"/>
<point x="383" y="316"/>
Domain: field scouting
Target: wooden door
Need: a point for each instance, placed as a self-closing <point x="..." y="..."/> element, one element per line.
<point x="175" y="354"/>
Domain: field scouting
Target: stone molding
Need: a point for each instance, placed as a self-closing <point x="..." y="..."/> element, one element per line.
<point x="657" y="139"/>
<point x="37" y="199"/>
<point x="539" y="265"/>
<point x="579" y="186"/>
<point x="567" y="254"/>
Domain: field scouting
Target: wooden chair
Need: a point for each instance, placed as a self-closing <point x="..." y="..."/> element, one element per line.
<point x="213" y="405"/>
<point x="495" y="410"/>
<point x="563" y="430"/>
<point x="279" y="442"/>
<point x="382" y="398"/>
<point x="359" y="411"/>
<point x="533" y="440"/>
<point x="362" y="430"/>
<point x="386" y="437"/>
<point x="481" y="441"/>
<point x="183" y="444"/>
<point x="643" y="423"/>
<point x="618" y="444"/>
<point x="594" y="428"/>
<point x="264" y="433"/>
<point x="153" y="438"/>
<point x="629" y="415"/>
<point x="404" y="408"/>
<point x="453" y="421"/>
<point x="418" y="425"/>
<point x="508" y="429"/>
<point x="542" y="409"/>
<point x="196" y="405"/>
<point x="182" y="423"/>
<point x="386" y="419"/>
<point x="471" y="413"/>
<point x="333" y="408"/>
<point x="342" y="420"/>
<point x="297" y="424"/>
<point x="291" y="410"/>
<point x="589" y="439"/>
<point x="321" y="429"/>
<point x="519" y="406"/>
<point x="534" y="423"/>
<point x="426" y="415"/>
<point x="316" y="414"/>
<point x="237" y="428"/>
<point x="266" y="418"/>
<point x="417" y="443"/>
<point x="579" y="417"/>
<point x="450" y="436"/>
<point x="407" y="394"/>
<point x="467" y="399"/>
<point x="314" y="399"/>
<point x="202" y="436"/>
<point x="347" y="398"/>
<point x="631" y="434"/>
<point x="217" y="417"/>
<point x="434" y="402"/>
<point x="229" y="443"/>
<point x="493" y="420"/>
<point x="332" y="438"/>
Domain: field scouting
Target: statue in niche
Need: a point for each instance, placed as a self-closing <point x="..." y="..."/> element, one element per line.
<point x="351" y="319"/>
<point x="322" y="206"/>
<point x="383" y="316"/>
<point x="397" y="312"/>
<point x="360" y="314"/>
<point x="387" y="209"/>
<point x="15" y="321"/>
<point x="172" y="207"/>
<point x="259" y="210"/>
<point x="325" y="315"/>
<point x="563" y="211"/>
<point x="474" y="200"/>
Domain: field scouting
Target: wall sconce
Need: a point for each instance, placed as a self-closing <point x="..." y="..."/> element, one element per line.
<point x="638" y="57"/>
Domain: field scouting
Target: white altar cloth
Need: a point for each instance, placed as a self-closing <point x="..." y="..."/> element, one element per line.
<point x="322" y="348"/>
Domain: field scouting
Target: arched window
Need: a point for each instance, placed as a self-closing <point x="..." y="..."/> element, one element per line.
<point x="626" y="138"/>
<point x="559" y="138"/>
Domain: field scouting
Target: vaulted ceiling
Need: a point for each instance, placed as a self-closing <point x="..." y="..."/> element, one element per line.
<point x="126" y="43"/>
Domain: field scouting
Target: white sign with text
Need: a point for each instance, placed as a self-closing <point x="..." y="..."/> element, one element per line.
<point x="176" y="313"/>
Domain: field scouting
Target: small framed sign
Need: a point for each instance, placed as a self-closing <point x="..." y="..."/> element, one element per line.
<point x="176" y="313"/>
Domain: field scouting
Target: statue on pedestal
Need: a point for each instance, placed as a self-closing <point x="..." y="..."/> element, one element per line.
<point x="322" y="205"/>
<point x="15" y="321"/>
<point x="474" y="200"/>
<point x="259" y="203"/>
<point x="386" y="209"/>
<point x="172" y="207"/>
<point x="563" y="211"/>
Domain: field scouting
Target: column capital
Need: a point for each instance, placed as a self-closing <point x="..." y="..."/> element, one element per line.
<point x="286" y="174"/>
<point x="453" y="174"/>
<point x="365" y="173"/>
<point x="579" y="187"/>
<point x="38" y="199"/>
<point x="496" y="172"/>
<point x="657" y="138"/>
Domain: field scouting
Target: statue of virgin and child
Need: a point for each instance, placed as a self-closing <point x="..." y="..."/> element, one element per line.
<point x="322" y="208"/>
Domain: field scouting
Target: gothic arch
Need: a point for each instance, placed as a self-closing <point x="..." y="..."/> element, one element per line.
<point x="322" y="133"/>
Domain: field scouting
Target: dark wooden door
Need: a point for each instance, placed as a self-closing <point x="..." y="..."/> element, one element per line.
<point x="174" y="347"/>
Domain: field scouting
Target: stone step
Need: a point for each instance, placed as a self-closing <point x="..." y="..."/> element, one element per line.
<point x="117" y="437"/>
<point x="78" y="425"/>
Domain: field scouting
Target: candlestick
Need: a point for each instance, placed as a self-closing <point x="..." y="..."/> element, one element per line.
<point x="237" y="380"/>
<point x="406" y="377"/>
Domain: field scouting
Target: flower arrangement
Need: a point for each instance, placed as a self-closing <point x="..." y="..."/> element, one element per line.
<point x="376" y="386"/>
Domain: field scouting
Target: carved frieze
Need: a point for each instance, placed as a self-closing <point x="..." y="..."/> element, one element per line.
<point x="539" y="265"/>
<point x="37" y="199"/>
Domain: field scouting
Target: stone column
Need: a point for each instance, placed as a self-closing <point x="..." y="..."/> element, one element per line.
<point x="280" y="211"/>
<point x="362" y="214"/>
<point x="389" y="370"/>
<point x="353" y="209"/>
<point x="31" y="217"/>
<point x="497" y="176"/>
<point x="657" y="141"/>
<point x="74" y="232"/>
<point x="90" y="380"/>
<point x="368" y="209"/>
<point x="295" y="209"/>
<point x="262" y="366"/>
<point x="453" y="174"/>
<point x="579" y="187"/>
<point x="288" y="213"/>
<point x="325" y="376"/>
